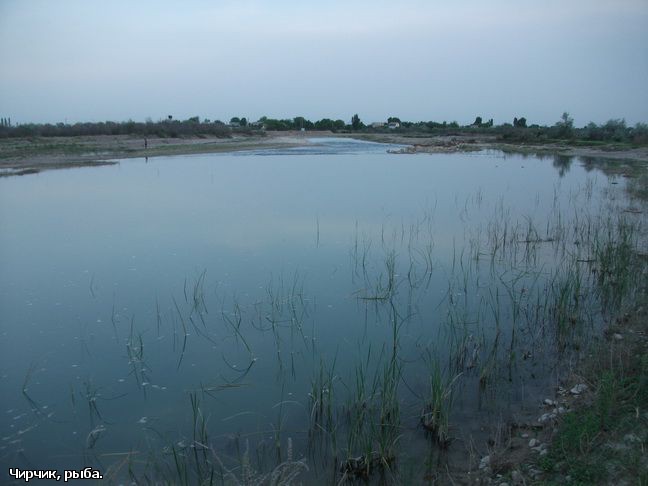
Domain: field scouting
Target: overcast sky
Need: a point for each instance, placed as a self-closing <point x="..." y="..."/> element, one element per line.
<point x="440" y="60"/>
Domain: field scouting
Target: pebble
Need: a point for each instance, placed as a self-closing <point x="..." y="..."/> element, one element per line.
<point x="578" y="389"/>
<point x="485" y="462"/>
<point x="517" y="478"/>
<point x="549" y="402"/>
<point x="534" y="442"/>
<point x="525" y="436"/>
<point x="618" y="337"/>
<point x="561" y="410"/>
<point x="546" y="417"/>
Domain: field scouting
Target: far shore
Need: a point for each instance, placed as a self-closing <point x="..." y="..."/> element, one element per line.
<point x="20" y="156"/>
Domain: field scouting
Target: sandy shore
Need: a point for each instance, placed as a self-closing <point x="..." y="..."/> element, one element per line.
<point x="30" y="155"/>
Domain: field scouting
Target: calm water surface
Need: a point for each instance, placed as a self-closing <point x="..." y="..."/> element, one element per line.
<point x="128" y="290"/>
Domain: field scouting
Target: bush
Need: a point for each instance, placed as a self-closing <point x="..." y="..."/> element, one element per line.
<point x="640" y="133"/>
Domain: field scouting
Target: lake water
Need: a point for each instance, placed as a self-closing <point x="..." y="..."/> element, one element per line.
<point x="257" y="299"/>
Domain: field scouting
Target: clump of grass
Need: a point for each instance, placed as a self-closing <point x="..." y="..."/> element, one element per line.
<point x="388" y="428"/>
<point x="374" y="421"/>
<point x="435" y="417"/>
<point x="616" y="261"/>
<point x="565" y="311"/>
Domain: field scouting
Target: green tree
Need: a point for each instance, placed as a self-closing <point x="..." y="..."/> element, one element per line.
<point x="300" y="122"/>
<point x="567" y="120"/>
<point x="565" y="126"/>
<point x="356" y="123"/>
<point x="325" y="124"/>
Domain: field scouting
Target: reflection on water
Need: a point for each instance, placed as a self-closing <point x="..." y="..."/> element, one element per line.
<point x="214" y="309"/>
<point x="562" y="163"/>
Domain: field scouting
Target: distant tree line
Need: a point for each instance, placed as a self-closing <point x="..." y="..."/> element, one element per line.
<point x="299" y="123"/>
<point x="166" y="128"/>
<point x="614" y="130"/>
<point x="518" y="131"/>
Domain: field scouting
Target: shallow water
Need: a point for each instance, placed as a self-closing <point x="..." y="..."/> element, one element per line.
<point x="127" y="290"/>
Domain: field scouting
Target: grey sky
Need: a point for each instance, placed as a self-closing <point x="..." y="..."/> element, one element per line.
<point x="419" y="60"/>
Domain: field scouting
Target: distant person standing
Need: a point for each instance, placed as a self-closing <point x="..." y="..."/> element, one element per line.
<point x="145" y="143"/>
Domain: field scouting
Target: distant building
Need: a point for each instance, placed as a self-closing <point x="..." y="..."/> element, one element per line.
<point x="257" y="124"/>
<point x="393" y="125"/>
<point x="377" y="124"/>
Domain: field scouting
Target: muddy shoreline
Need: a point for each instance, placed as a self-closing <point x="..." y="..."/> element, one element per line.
<point x="23" y="156"/>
